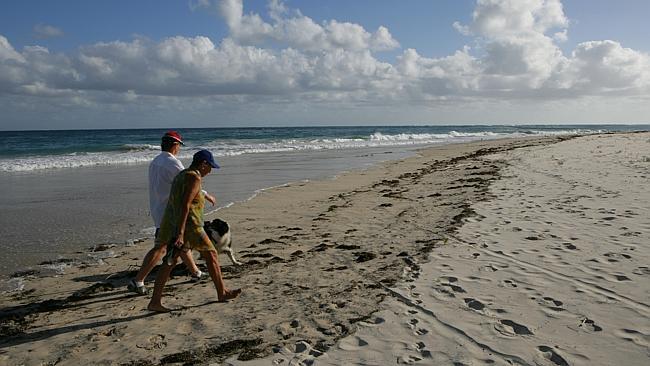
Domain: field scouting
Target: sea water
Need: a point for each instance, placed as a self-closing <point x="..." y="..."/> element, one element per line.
<point x="66" y="192"/>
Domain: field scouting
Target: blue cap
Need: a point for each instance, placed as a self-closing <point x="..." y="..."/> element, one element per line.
<point x="205" y="155"/>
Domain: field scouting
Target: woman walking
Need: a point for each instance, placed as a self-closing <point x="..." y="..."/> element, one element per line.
<point x="182" y="227"/>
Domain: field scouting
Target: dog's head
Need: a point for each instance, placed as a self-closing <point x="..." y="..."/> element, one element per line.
<point x="217" y="225"/>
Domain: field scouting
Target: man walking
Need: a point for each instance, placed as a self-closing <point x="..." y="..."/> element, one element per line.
<point x="162" y="170"/>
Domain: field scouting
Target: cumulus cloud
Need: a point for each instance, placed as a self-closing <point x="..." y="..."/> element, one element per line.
<point x="603" y="66"/>
<point x="7" y="51"/>
<point x="513" y="33"/>
<point x="286" y="56"/>
<point x="44" y="31"/>
<point x="296" y="30"/>
<point x="519" y="39"/>
<point x="499" y="19"/>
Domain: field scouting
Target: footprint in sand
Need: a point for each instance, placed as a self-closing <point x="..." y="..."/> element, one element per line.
<point x="353" y="343"/>
<point x="509" y="328"/>
<point x="488" y="268"/>
<point x="589" y="325"/>
<point x="642" y="271"/>
<point x="620" y="277"/>
<point x="570" y="246"/>
<point x="617" y="256"/>
<point x="373" y="322"/>
<point x="552" y="356"/>
<point x="474" y="304"/>
<point x="305" y="348"/>
<point x="634" y="336"/>
<point x="550" y="303"/>
<point x="510" y="283"/>
<point x="421" y="347"/>
<point x="454" y="288"/>
<point x="401" y="360"/>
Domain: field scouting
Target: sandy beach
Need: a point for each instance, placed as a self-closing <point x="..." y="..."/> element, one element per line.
<point x="507" y="252"/>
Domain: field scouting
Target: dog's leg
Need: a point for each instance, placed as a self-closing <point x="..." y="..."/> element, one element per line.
<point x="228" y="251"/>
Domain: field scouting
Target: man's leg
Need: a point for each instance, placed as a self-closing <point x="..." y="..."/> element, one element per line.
<point x="212" y="262"/>
<point x="150" y="260"/>
<point x="187" y="258"/>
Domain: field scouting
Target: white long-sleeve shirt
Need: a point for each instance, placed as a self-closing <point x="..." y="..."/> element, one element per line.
<point x="162" y="170"/>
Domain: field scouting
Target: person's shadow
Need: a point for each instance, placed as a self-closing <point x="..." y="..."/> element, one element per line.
<point x="47" y="333"/>
<point x="15" y="320"/>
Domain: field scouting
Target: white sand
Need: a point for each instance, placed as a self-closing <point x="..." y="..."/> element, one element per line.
<point x="554" y="271"/>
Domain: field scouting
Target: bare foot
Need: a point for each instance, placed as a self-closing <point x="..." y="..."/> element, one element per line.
<point x="229" y="295"/>
<point x="158" y="308"/>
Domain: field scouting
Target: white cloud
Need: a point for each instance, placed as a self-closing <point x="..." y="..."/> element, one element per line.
<point x="44" y="31"/>
<point x="561" y="36"/>
<point x="335" y="63"/>
<point x="299" y="31"/>
<point x="7" y="51"/>
<point x="603" y="66"/>
<point x="199" y="4"/>
<point x="496" y="19"/>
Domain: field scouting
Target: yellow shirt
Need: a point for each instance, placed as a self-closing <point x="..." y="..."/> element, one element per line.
<point x="194" y="237"/>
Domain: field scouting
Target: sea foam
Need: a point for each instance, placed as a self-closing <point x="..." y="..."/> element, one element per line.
<point x="141" y="153"/>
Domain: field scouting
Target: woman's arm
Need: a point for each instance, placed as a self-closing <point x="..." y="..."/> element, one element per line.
<point x="193" y="187"/>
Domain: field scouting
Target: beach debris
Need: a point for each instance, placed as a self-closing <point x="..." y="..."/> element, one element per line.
<point x="590" y="325"/>
<point x="87" y="292"/>
<point x="271" y="241"/>
<point x="12" y="325"/>
<point x="102" y="247"/>
<point x="364" y="256"/>
<point x="348" y="247"/>
<point x="16" y="284"/>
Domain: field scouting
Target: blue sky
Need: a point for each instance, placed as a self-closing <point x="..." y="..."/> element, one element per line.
<point x="204" y="63"/>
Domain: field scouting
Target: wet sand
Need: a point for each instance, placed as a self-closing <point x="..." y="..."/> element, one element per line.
<point x="530" y="251"/>
<point x="60" y="213"/>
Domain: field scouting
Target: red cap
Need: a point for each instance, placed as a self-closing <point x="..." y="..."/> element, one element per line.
<point x="174" y="136"/>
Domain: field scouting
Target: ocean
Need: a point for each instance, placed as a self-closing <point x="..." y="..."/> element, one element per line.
<point x="66" y="192"/>
<point x="28" y="151"/>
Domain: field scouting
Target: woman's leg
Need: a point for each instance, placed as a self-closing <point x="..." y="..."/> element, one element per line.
<point x="212" y="262"/>
<point x="161" y="279"/>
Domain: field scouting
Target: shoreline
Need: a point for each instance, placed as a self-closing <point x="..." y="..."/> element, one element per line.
<point x="360" y="234"/>
<point x="44" y="211"/>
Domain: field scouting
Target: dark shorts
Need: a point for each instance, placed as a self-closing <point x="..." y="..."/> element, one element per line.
<point x="156" y="239"/>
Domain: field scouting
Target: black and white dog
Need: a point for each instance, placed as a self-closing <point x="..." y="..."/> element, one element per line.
<point x="219" y="233"/>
